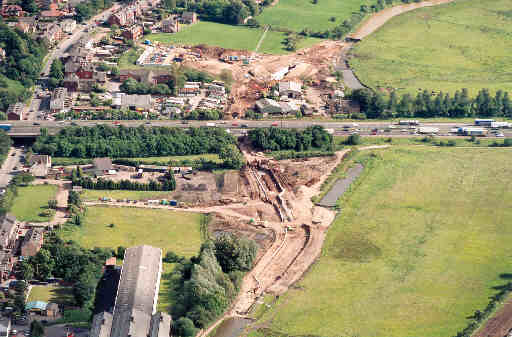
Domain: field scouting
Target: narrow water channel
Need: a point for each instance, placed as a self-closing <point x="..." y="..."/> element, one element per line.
<point x="232" y="327"/>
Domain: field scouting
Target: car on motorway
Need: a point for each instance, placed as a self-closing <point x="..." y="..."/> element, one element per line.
<point x="245" y="126"/>
<point x="500" y="135"/>
<point x="222" y="122"/>
<point x="275" y="124"/>
<point x="234" y="124"/>
<point x="36" y="123"/>
<point x="184" y="122"/>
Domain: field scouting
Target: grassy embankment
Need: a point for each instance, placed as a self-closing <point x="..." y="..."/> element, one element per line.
<point x="420" y="245"/>
<point x="32" y="201"/>
<point x="179" y="232"/>
<point x="231" y="37"/>
<point x="448" y="47"/>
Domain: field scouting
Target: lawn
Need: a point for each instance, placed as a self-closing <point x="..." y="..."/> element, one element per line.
<point x="299" y="14"/>
<point x="448" y="47"/>
<point x="423" y="238"/>
<point x="169" y="230"/>
<point x="31" y="201"/>
<point x="228" y="36"/>
<point x="50" y="293"/>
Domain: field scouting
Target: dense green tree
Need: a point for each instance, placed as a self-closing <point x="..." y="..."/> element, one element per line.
<point x="36" y="329"/>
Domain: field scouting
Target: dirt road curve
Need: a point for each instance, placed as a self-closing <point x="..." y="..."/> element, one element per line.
<point x="499" y="324"/>
<point x="379" y="19"/>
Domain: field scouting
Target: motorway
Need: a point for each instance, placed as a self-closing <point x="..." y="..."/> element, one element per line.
<point x="20" y="128"/>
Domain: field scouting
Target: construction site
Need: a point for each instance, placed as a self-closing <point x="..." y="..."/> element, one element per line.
<point x="255" y="74"/>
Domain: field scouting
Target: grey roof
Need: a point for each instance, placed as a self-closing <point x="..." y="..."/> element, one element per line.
<point x="160" y="325"/>
<point x="7" y="230"/>
<point x="137" y="293"/>
<point x="137" y="101"/>
<point x="40" y="159"/>
<point x="101" y="325"/>
<point x="103" y="164"/>
<point x="52" y="306"/>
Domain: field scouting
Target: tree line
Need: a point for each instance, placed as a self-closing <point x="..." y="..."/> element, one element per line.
<point x="117" y="142"/>
<point x="168" y="183"/>
<point x="85" y="10"/>
<point x="22" y="64"/>
<point x="5" y="145"/>
<point x="276" y="139"/>
<point x="204" y="286"/>
<point x="375" y="105"/>
<point x="224" y="11"/>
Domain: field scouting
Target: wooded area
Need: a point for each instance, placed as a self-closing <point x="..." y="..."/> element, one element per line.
<point x="117" y="142"/>
<point x="275" y="139"/>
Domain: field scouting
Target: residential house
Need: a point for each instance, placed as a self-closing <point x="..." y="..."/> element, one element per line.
<point x="134" y="311"/>
<point x="26" y="24"/>
<point x="68" y="26"/>
<point x="102" y="165"/>
<point x="8" y="232"/>
<point x="189" y="18"/>
<point x="170" y="25"/>
<point x="133" y="33"/>
<point x="40" y="165"/>
<point x="53" y="12"/>
<point x="32" y="242"/>
<point x="15" y="112"/>
<point x="2" y="54"/>
<point x="58" y="99"/>
<point x="12" y="10"/>
<point x="290" y="89"/>
<point x="52" y="33"/>
<point x="6" y="264"/>
<point x="52" y="310"/>
<point x="268" y="106"/>
<point x="126" y="17"/>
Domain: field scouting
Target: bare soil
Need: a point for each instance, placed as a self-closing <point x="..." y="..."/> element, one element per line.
<point x="500" y="324"/>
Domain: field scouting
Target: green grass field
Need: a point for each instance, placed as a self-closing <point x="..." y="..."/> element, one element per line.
<point x="164" y="160"/>
<point x="448" y="47"/>
<point x="50" y="293"/>
<point x="169" y="230"/>
<point x="422" y="240"/>
<point x="299" y="14"/>
<point x="231" y="37"/>
<point x="31" y="201"/>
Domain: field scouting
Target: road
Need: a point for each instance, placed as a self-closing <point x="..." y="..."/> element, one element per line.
<point x="7" y="168"/>
<point x="79" y="33"/>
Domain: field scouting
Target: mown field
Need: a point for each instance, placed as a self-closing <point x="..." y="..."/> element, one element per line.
<point x="422" y="240"/>
<point x="51" y="293"/>
<point x="122" y="194"/>
<point x="169" y="230"/>
<point x="32" y="201"/>
<point x="299" y="14"/>
<point x="231" y="37"/>
<point x="458" y="45"/>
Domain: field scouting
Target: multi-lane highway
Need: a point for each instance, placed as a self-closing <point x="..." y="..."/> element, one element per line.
<point x="365" y="128"/>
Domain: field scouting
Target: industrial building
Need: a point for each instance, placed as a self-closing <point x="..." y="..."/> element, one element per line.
<point x="134" y="311"/>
